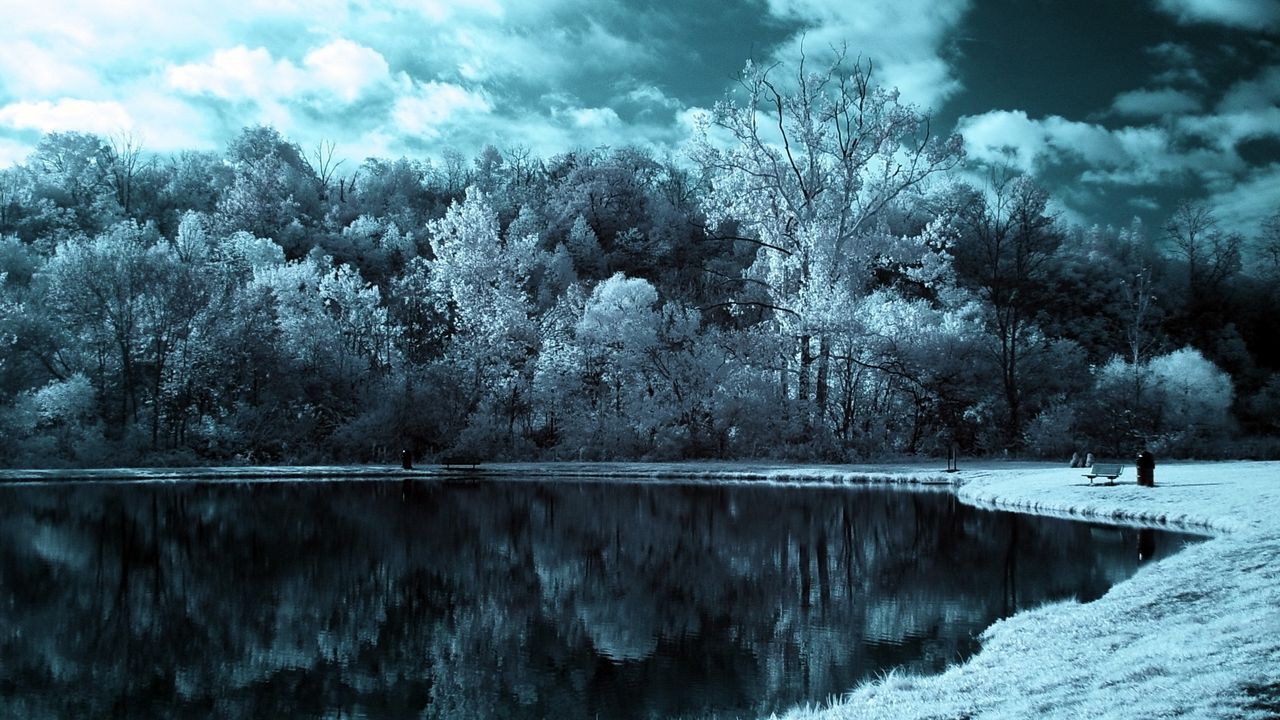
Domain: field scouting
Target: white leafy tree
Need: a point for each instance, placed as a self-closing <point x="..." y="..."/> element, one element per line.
<point x="1192" y="392"/>
<point x="813" y="166"/>
<point x="619" y="325"/>
<point x="482" y="277"/>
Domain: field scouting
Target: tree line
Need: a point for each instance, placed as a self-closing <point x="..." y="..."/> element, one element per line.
<point x="812" y="279"/>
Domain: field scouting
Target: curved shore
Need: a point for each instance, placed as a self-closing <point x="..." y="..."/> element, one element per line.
<point x="1196" y="634"/>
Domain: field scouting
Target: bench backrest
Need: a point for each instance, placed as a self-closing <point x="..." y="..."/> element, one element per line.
<point x="1100" y="469"/>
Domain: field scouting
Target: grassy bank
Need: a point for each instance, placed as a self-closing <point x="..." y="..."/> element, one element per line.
<point x="1196" y="634"/>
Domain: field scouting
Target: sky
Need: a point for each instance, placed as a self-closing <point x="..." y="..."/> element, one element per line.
<point x="1122" y="108"/>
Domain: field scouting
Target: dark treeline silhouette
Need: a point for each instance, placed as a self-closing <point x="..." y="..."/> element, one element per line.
<point x="820" y="286"/>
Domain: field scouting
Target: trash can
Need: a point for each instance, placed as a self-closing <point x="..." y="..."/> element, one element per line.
<point x="406" y="459"/>
<point x="1146" y="469"/>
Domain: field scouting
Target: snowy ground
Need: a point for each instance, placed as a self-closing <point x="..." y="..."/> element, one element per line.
<point x="1196" y="634"/>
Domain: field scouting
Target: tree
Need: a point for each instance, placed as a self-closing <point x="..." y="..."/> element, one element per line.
<point x="1009" y="242"/>
<point x="98" y="287"/>
<point x="1212" y="256"/>
<point x="618" y="328"/>
<point x="807" y="179"/>
<point x="124" y="163"/>
<point x="479" y="277"/>
<point x="73" y="169"/>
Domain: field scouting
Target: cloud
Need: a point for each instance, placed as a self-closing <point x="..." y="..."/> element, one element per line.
<point x="1245" y="14"/>
<point x="429" y="106"/>
<point x="341" y="69"/>
<point x="908" y="40"/>
<point x="539" y="53"/>
<point x="1179" y="63"/>
<point x="12" y="152"/>
<point x="67" y="114"/>
<point x="346" y="69"/>
<point x="28" y="70"/>
<point x="1003" y="137"/>
<point x="1127" y="156"/>
<point x="237" y="73"/>
<point x="1259" y="93"/>
<point x="1241" y="205"/>
<point x="363" y="72"/>
<point x="1227" y="130"/>
<point x="595" y="117"/>
<point x="1155" y="103"/>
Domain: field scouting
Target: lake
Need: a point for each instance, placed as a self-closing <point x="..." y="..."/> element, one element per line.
<point x="507" y="599"/>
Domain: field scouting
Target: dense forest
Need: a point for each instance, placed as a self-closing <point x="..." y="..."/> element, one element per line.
<point x="811" y="277"/>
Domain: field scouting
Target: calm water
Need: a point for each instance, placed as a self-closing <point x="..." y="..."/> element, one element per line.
<point x="505" y="600"/>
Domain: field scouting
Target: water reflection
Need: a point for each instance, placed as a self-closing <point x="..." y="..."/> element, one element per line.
<point x="505" y="600"/>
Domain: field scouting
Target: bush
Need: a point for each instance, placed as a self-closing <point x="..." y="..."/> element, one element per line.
<point x="1051" y="434"/>
<point x="1175" y="405"/>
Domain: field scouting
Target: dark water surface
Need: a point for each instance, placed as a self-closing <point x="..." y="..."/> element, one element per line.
<point x="506" y="599"/>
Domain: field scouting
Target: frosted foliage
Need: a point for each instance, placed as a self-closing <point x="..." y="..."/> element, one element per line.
<point x="913" y="322"/>
<point x="8" y="309"/>
<point x="584" y="246"/>
<point x="378" y="235"/>
<point x="1115" y="373"/>
<point x="483" y="277"/>
<point x="245" y="251"/>
<point x="192" y="242"/>
<point x="1192" y="390"/>
<point x="303" y="327"/>
<point x="814" y="162"/>
<point x="620" y="314"/>
<point x="355" y="307"/>
<point x="66" y="401"/>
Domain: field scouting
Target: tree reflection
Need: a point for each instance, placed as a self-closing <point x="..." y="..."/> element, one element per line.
<point x="503" y="599"/>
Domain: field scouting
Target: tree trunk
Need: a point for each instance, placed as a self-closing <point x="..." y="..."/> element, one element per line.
<point x="821" y="391"/>
<point x="806" y="359"/>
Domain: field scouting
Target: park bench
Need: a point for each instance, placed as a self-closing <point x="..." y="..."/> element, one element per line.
<point x="1110" y="472"/>
<point x="460" y="460"/>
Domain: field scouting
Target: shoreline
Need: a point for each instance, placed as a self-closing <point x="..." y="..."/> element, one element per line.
<point x="1194" y="634"/>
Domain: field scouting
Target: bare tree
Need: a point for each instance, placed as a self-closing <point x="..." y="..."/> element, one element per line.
<point x="1270" y="243"/>
<point x="124" y="163"/>
<point x="323" y="165"/>
<point x="1212" y="255"/>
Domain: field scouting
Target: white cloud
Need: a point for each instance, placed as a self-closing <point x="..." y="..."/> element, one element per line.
<point x="12" y="152"/>
<point x="649" y="95"/>
<point x="67" y="114"/>
<point x="536" y="53"/>
<point x="1241" y="205"/>
<point x="594" y="118"/>
<point x="342" y="69"/>
<point x="1128" y="156"/>
<point x="237" y="73"/>
<point x="431" y="105"/>
<point x="346" y="69"/>
<point x="905" y="39"/>
<point x="29" y="71"/>
<point x="1155" y="103"/>
<point x="1247" y="14"/>
<point x="164" y="123"/>
<point x="1227" y="130"/>
<point x="1003" y="137"/>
